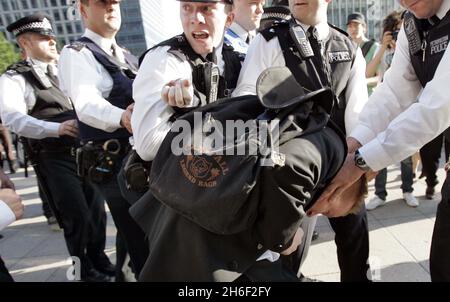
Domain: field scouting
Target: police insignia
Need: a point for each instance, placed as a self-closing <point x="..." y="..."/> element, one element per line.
<point x="339" y="56"/>
<point x="439" y="45"/>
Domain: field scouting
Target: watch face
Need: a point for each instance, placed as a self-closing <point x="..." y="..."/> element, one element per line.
<point x="360" y="162"/>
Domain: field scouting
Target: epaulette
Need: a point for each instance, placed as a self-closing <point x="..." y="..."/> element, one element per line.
<point x="78" y="46"/>
<point x="18" y="68"/>
<point x="339" y="30"/>
<point x="270" y="32"/>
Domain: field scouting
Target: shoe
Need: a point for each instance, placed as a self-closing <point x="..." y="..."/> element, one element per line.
<point x="93" y="275"/>
<point x="315" y="235"/>
<point x="53" y="223"/>
<point x="429" y="192"/>
<point x="411" y="200"/>
<point x="104" y="265"/>
<point x="374" y="203"/>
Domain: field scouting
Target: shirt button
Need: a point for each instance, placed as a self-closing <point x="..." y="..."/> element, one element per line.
<point x="259" y="246"/>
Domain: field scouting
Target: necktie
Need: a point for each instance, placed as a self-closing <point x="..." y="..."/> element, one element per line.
<point x="51" y="74"/>
<point x="319" y="59"/>
<point x="434" y="20"/>
<point x="115" y="53"/>
<point x="249" y="38"/>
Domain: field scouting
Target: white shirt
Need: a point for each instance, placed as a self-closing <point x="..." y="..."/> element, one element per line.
<point x="400" y="116"/>
<point x="7" y="216"/>
<point x="17" y="97"/>
<point x="150" y="119"/>
<point x="88" y="84"/>
<point x="262" y="55"/>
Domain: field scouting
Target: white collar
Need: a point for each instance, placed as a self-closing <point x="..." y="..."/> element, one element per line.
<point x="41" y="65"/>
<point x="240" y="31"/>
<point x="104" y="43"/>
<point x="445" y="7"/>
<point x="323" y="29"/>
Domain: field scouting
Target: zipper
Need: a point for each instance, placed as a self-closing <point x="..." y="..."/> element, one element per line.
<point x="424" y="46"/>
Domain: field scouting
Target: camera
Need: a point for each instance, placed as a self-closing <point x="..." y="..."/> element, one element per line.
<point x="395" y="35"/>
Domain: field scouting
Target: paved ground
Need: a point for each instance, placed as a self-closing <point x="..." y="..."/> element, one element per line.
<point x="400" y="239"/>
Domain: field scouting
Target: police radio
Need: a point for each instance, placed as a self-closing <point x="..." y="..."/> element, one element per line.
<point x="301" y="41"/>
<point x="212" y="78"/>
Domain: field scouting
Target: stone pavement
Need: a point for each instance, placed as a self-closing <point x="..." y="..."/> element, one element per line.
<point x="400" y="239"/>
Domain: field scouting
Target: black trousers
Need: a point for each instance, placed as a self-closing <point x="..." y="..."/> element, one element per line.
<point x="430" y="155"/>
<point x="79" y="205"/>
<point x="440" y="244"/>
<point x="4" y="274"/>
<point x="266" y="271"/>
<point x="352" y="242"/>
<point x="130" y="237"/>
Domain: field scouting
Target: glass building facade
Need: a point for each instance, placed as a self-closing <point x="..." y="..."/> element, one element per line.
<point x="66" y="28"/>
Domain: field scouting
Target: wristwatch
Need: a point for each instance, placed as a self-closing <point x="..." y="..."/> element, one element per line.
<point x="360" y="162"/>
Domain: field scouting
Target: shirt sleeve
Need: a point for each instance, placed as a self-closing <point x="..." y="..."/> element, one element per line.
<point x="400" y="117"/>
<point x="356" y="92"/>
<point x="6" y="215"/>
<point x="14" y="93"/>
<point x="81" y="78"/>
<point x="150" y="119"/>
<point x="261" y="55"/>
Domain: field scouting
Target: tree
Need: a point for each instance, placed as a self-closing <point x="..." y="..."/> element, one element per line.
<point x="8" y="55"/>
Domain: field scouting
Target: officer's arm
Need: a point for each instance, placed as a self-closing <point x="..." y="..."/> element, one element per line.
<point x="81" y="76"/>
<point x="150" y="119"/>
<point x="356" y="92"/>
<point x="415" y="123"/>
<point x="397" y="92"/>
<point x="13" y="92"/>
<point x="261" y="55"/>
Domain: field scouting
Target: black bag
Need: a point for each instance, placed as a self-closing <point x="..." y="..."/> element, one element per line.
<point x="215" y="190"/>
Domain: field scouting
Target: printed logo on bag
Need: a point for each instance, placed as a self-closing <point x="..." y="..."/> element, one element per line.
<point x="204" y="170"/>
<point x="439" y="45"/>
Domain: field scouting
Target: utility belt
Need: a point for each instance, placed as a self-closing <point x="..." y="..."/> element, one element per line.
<point x="137" y="172"/>
<point x="46" y="147"/>
<point x="97" y="161"/>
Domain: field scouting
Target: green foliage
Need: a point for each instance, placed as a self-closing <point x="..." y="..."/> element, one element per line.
<point x="8" y="54"/>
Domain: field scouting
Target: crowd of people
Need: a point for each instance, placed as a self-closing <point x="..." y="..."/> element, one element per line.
<point x="97" y="124"/>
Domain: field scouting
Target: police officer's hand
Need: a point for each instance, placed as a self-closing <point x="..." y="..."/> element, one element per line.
<point x="69" y="128"/>
<point x="331" y="203"/>
<point x="13" y="201"/>
<point x="295" y="243"/>
<point x="125" y="121"/>
<point x="176" y="93"/>
<point x="6" y="183"/>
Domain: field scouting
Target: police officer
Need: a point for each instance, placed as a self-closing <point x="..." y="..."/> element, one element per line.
<point x="247" y="18"/>
<point x="98" y="75"/>
<point x="409" y="109"/>
<point x="171" y="80"/>
<point x="339" y="65"/>
<point x="173" y="65"/>
<point x="33" y="106"/>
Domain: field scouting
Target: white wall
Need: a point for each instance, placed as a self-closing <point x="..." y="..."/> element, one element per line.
<point x="161" y="20"/>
